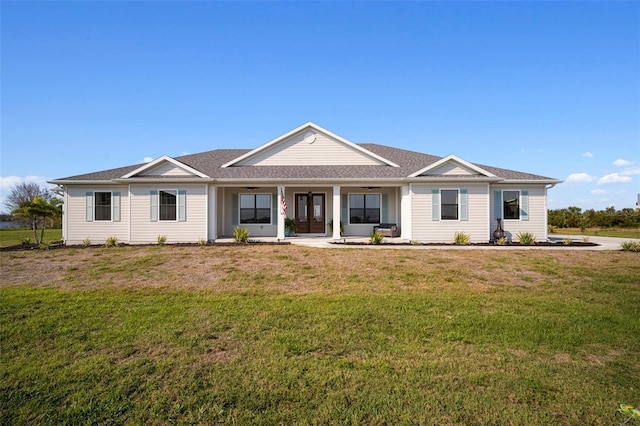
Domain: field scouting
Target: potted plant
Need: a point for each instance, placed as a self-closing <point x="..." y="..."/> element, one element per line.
<point x="289" y="226"/>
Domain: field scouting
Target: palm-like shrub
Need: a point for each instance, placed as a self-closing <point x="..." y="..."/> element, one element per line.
<point x="241" y="235"/>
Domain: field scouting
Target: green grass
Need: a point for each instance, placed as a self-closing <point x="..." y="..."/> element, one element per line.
<point x="601" y="232"/>
<point x="420" y="341"/>
<point x="11" y="236"/>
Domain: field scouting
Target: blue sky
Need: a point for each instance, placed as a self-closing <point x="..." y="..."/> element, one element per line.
<point x="551" y="88"/>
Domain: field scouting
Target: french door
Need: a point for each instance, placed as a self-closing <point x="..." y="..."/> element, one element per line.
<point x="310" y="213"/>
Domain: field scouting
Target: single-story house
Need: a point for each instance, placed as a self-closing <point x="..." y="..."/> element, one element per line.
<point x="311" y="175"/>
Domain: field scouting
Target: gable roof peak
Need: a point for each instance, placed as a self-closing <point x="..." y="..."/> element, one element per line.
<point x="309" y="125"/>
<point x="455" y="159"/>
<point x="163" y="159"/>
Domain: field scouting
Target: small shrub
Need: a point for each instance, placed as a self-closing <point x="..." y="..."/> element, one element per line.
<point x="86" y="242"/>
<point x="501" y="241"/>
<point x="376" y="237"/>
<point x="631" y="246"/>
<point x="567" y="241"/>
<point x="526" y="238"/>
<point x="241" y="235"/>
<point x="585" y="239"/>
<point x="111" y="242"/>
<point x="44" y="245"/>
<point x="551" y="229"/>
<point x="26" y="241"/>
<point x="416" y="243"/>
<point x="162" y="239"/>
<point x="202" y="242"/>
<point x="461" y="239"/>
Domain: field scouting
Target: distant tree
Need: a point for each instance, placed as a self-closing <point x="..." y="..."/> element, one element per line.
<point x="36" y="213"/>
<point x="25" y="191"/>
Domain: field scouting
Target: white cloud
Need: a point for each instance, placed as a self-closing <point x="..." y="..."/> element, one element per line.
<point x="580" y="178"/>
<point x="613" y="178"/>
<point x="631" y="172"/>
<point x="147" y="159"/>
<point x="622" y="163"/>
<point x="598" y="192"/>
<point x="587" y="154"/>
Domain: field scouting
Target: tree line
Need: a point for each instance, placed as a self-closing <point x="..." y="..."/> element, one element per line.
<point x="574" y="217"/>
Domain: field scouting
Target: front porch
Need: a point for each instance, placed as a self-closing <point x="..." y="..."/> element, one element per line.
<point x="313" y="209"/>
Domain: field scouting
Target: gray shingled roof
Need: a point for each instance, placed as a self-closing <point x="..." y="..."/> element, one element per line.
<point x="210" y="163"/>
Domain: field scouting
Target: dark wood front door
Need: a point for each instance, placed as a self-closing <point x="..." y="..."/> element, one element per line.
<point x="310" y="213"/>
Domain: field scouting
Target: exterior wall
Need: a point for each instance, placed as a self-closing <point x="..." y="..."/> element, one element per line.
<point x="537" y="223"/>
<point x="77" y="229"/>
<point x="392" y="211"/>
<point x="143" y="230"/>
<point x="166" y="169"/>
<point x="451" y="168"/>
<point x="323" y="151"/>
<point x="425" y="229"/>
<point x="229" y="222"/>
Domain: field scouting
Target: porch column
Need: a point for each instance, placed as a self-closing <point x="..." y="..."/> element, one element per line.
<point x="212" y="213"/>
<point x="281" y="213"/>
<point x="406" y="231"/>
<point x="336" y="212"/>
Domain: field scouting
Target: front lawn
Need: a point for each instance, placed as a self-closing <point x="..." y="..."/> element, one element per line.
<point x="13" y="236"/>
<point x="600" y="232"/>
<point x="295" y="335"/>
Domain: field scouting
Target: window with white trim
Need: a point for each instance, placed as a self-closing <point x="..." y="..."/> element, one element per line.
<point x="168" y="205"/>
<point x="255" y="208"/>
<point x="511" y="205"/>
<point x="364" y="208"/>
<point x="102" y="206"/>
<point x="449" y="204"/>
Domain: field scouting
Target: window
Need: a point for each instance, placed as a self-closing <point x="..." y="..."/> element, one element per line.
<point x="255" y="208"/>
<point x="449" y="204"/>
<point x="511" y="203"/>
<point x="102" y="206"/>
<point x="364" y="208"/>
<point x="167" y="205"/>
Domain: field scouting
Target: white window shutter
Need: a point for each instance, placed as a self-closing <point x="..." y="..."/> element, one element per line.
<point x="182" y="205"/>
<point x="524" y="207"/>
<point x="435" y="204"/>
<point x="89" y="206"/>
<point x="115" y="202"/>
<point x="153" y="206"/>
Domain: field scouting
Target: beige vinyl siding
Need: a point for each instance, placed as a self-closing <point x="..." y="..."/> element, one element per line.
<point x="450" y="168"/>
<point x="77" y="227"/>
<point x="429" y="231"/>
<point x="143" y="230"/>
<point x="166" y="169"/>
<point x="323" y="151"/>
<point x="537" y="223"/>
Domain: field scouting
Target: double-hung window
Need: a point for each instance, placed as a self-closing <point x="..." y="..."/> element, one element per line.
<point x="511" y="204"/>
<point x="255" y="208"/>
<point x="102" y="206"/>
<point x="168" y="205"/>
<point x="364" y="208"/>
<point x="449" y="204"/>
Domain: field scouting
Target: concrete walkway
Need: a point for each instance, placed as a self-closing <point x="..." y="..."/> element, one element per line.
<point x="605" y="243"/>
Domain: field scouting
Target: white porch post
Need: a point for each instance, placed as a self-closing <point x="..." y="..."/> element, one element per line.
<point x="406" y="231"/>
<point x="212" y="212"/>
<point x="281" y="193"/>
<point x="336" y="212"/>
